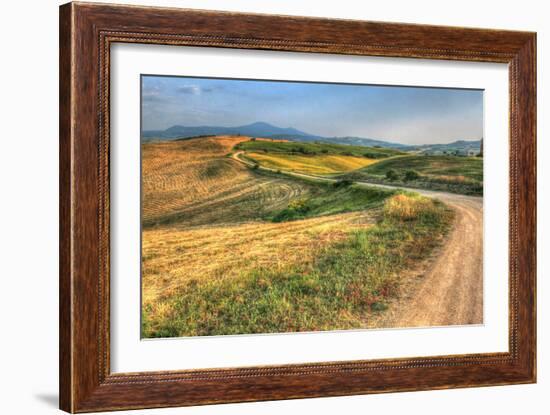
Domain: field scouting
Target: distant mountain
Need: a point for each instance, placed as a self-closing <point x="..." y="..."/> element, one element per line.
<point x="260" y="129"/>
<point x="257" y="129"/>
<point x="456" y="146"/>
<point x="265" y="130"/>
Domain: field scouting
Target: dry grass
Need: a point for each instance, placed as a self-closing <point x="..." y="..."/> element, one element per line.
<point x="191" y="182"/>
<point x="405" y="207"/>
<point x="311" y="164"/>
<point x="201" y="214"/>
<point x="177" y="174"/>
<point x="173" y="258"/>
<point x="215" y="263"/>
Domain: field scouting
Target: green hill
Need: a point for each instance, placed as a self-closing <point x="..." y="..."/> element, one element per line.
<point x="316" y="148"/>
<point x="447" y="173"/>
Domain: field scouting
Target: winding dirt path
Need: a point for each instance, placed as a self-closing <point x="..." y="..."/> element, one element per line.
<point x="448" y="288"/>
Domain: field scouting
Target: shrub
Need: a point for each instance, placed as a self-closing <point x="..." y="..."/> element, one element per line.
<point x="404" y="208"/>
<point x="256" y="166"/>
<point x="411" y="175"/>
<point x="299" y="205"/>
<point x="342" y="183"/>
<point x="391" y="175"/>
<point x="296" y="209"/>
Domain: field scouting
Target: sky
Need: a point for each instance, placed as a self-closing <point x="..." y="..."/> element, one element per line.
<point x="408" y="115"/>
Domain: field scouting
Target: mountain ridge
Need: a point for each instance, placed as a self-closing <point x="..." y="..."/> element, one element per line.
<point x="266" y="130"/>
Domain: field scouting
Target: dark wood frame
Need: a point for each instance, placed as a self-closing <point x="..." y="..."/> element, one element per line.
<point x="86" y="33"/>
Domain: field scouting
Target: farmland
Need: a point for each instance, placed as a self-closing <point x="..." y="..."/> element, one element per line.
<point x="447" y="173"/>
<point x="230" y="249"/>
<point x="314" y="149"/>
<point x="312" y="158"/>
<point x="369" y="164"/>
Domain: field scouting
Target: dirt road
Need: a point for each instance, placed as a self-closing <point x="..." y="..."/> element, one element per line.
<point x="448" y="288"/>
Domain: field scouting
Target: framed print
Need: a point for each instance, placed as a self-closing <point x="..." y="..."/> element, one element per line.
<point x="261" y="207"/>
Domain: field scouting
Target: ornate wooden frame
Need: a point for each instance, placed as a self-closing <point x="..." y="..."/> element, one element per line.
<point x="86" y="33"/>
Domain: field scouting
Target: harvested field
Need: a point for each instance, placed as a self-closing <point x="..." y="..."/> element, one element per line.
<point x="318" y="164"/>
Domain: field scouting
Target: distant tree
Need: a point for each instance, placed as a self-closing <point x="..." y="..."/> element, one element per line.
<point x="253" y="139"/>
<point x="324" y="151"/>
<point x="342" y="183"/>
<point x="411" y="175"/>
<point x="391" y="175"/>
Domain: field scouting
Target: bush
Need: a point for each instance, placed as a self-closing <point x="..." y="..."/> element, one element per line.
<point x="405" y="208"/>
<point x="411" y="175"/>
<point x="342" y="183"/>
<point x="296" y="209"/>
<point x="391" y="175"/>
<point x="256" y="166"/>
<point x="299" y="205"/>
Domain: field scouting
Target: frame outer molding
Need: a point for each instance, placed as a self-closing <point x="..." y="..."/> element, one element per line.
<point x="86" y="31"/>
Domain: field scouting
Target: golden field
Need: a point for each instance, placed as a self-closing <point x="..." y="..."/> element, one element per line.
<point x="201" y="214"/>
<point x="234" y="247"/>
<point x="316" y="165"/>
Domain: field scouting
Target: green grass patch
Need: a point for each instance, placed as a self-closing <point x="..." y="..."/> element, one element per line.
<point x="444" y="173"/>
<point x="318" y="148"/>
<point x="347" y="283"/>
<point x="338" y="197"/>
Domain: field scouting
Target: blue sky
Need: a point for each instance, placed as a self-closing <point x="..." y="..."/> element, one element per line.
<point x="409" y="115"/>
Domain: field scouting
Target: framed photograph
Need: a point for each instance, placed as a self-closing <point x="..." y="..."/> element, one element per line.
<point x="260" y="207"/>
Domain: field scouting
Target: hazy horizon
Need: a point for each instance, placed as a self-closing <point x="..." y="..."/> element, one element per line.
<point x="401" y="114"/>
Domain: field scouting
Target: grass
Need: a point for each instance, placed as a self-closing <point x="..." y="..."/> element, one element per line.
<point x="206" y="216"/>
<point x="192" y="183"/>
<point x="347" y="282"/>
<point x="312" y="149"/>
<point x="227" y="249"/>
<point x="445" y="173"/>
<point x="337" y="198"/>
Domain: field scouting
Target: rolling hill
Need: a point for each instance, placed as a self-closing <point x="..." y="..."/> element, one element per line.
<point x="258" y="129"/>
<point x="232" y="249"/>
<point x="266" y="130"/>
<point x="444" y="173"/>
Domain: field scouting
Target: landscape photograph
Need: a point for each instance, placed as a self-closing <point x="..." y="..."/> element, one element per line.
<point x="272" y="206"/>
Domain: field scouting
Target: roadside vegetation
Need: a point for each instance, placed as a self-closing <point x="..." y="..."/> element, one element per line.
<point x="344" y="286"/>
